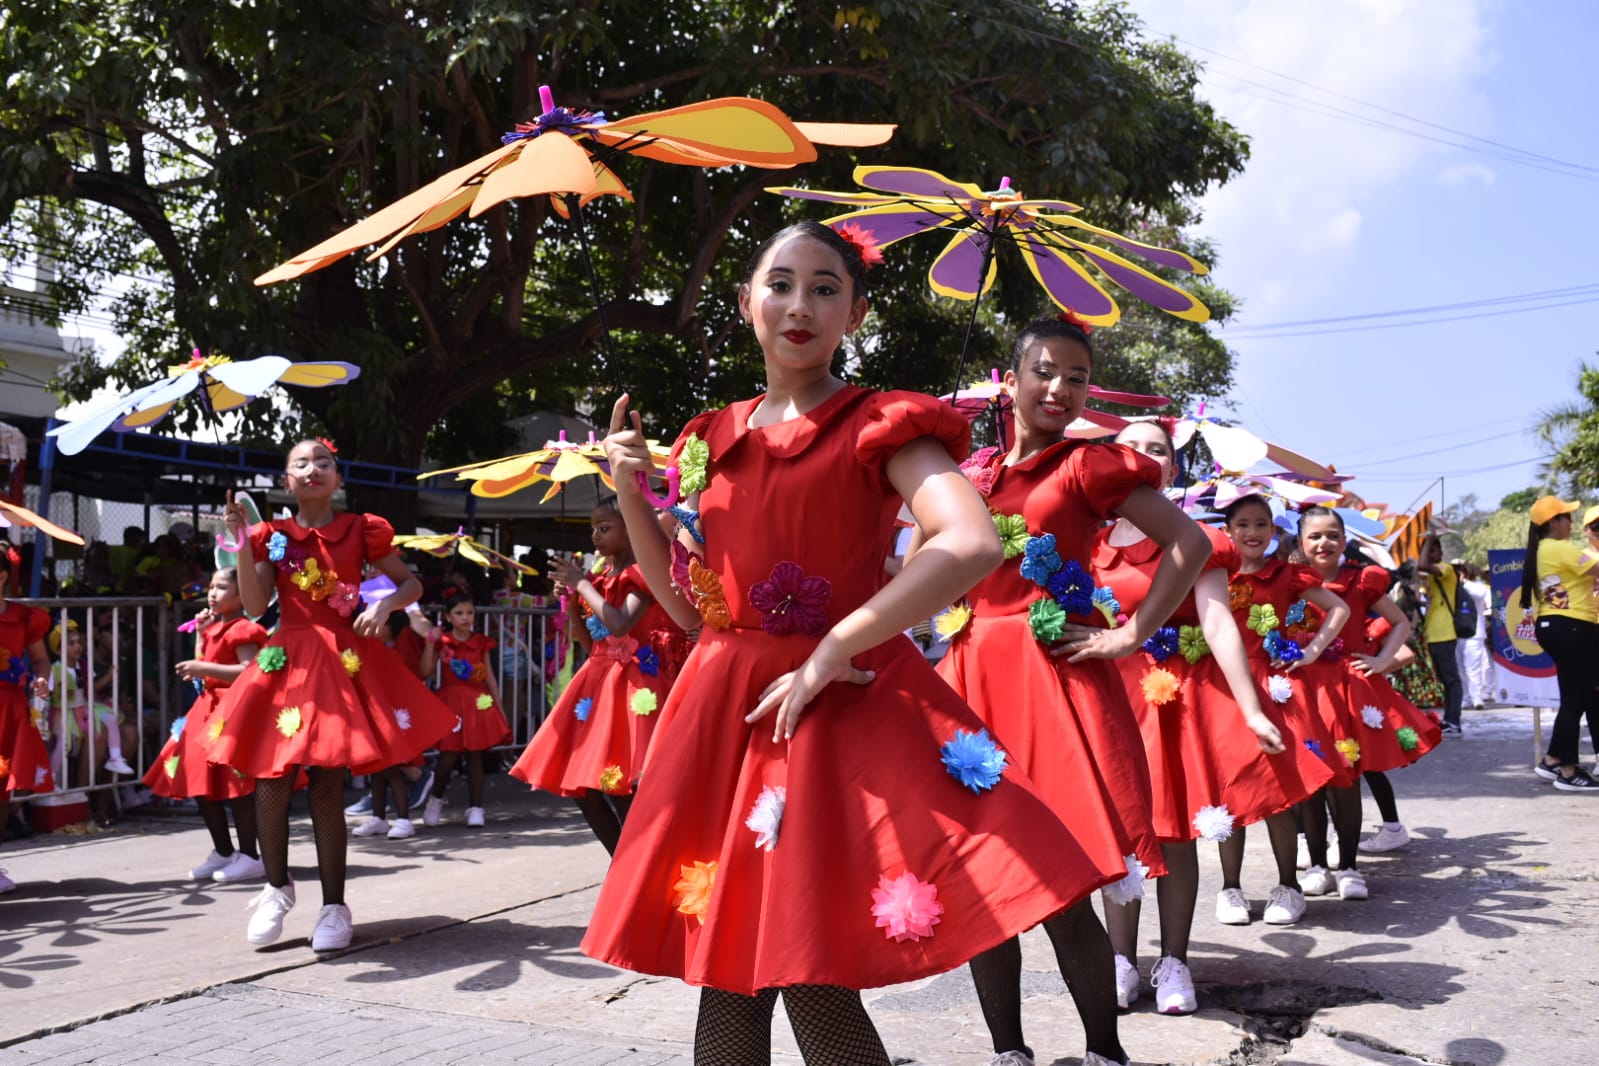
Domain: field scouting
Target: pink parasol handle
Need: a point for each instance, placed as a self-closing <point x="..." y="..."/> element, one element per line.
<point x="546" y="99"/>
<point x="194" y="623"/>
<point x="673" y="486"/>
<point x="227" y="545"/>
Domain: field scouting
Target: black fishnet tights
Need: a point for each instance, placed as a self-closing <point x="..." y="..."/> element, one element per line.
<point x="326" y="797"/>
<point x="1086" y="961"/>
<point x="1382" y="790"/>
<point x="830" y="1025"/>
<point x="391" y="782"/>
<point x="1344" y="805"/>
<point x="214" y="813"/>
<point x="1177" y="893"/>
<point x="474" y="775"/>
<point x="605" y="814"/>
<point x="1282" y="829"/>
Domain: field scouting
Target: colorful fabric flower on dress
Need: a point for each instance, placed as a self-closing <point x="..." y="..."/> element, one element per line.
<point x="289" y="721"/>
<point x="596" y="628"/>
<point x="689" y="519"/>
<point x="1262" y="618"/>
<point x="1408" y="739"/>
<point x="1279" y="688"/>
<point x="1214" y="824"/>
<point x="1281" y="649"/>
<point x="5" y="768"/>
<point x="1162" y="645"/>
<point x="953" y="621"/>
<point x="1047" y="619"/>
<point x="345" y="598"/>
<point x="1301" y="634"/>
<point x="692" y="462"/>
<point x="973" y="759"/>
<point x="649" y="663"/>
<point x="978" y="471"/>
<point x="1313" y="746"/>
<point x="275" y="545"/>
<point x="1296" y="613"/>
<point x="1160" y="686"/>
<point x="1334" y="651"/>
<point x="460" y="668"/>
<point x="402" y="718"/>
<point x="351" y="661"/>
<point x="582" y="708"/>
<point x="214" y="731"/>
<point x="1105" y="601"/>
<point x="314" y="581"/>
<point x="484" y="702"/>
<point x="270" y="658"/>
<point x="294" y="558"/>
<point x="791" y="602"/>
<point x="619" y="650"/>
<point x="611" y="778"/>
<point x="1192" y="644"/>
<point x="177" y="726"/>
<point x="766" y="816"/>
<point x="1131" y="886"/>
<point x="680" y="572"/>
<point x="1238" y="595"/>
<point x="170" y="765"/>
<point x="1012" y="533"/>
<point x="708" y="596"/>
<point x="1040" y="559"/>
<point x="691" y="895"/>
<point x="1349" y="748"/>
<point x="905" y="907"/>
<point x="16" y="668"/>
<point x="1372" y="716"/>
<point x="642" y="703"/>
<point x="1073" y="588"/>
<point x="479" y="674"/>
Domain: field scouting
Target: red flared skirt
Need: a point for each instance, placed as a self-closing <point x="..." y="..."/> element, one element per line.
<point x="599" y="732"/>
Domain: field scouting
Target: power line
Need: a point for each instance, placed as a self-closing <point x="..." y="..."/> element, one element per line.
<point x="1418" y="322"/>
<point x="1466" y="305"/>
<point x="1450" y="448"/>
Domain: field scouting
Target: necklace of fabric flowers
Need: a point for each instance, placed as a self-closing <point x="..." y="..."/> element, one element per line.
<point x="307" y="574"/>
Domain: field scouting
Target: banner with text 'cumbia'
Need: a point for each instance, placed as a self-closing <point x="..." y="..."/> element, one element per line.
<point x="1523" y="671"/>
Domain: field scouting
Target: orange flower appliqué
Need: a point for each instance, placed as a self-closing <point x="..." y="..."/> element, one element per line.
<point x="692" y="893"/>
<point x="1239" y="596"/>
<point x="707" y="588"/>
<point x="1160" y="687"/>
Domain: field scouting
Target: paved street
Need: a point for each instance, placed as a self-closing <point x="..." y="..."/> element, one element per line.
<point x="1476" y="949"/>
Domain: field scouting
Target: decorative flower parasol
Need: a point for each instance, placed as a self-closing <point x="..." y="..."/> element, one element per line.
<point x="228" y="385"/>
<point x="12" y="514"/>
<point x="1236" y="449"/>
<point x="444" y="545"/>
<point x="558" y="462"/>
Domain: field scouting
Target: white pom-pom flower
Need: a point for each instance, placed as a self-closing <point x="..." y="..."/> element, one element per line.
<point x="1280" y="688"/>
<point x="1214" y="824"/>
<point x="1372" y="716"/>
<point x="766" y="817"/>
<point x="1130" y="887"/>
<point x="402" y="717"/>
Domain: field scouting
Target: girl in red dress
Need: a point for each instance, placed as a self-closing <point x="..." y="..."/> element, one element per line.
<point x="325" y="693"/>
<point x="406" y="632"/>
<point x="24" y="668"/>
<point x="227" y="643"/>
<point x="1271" y="602"/>
<point x="468" y="687"/>
<point x="1031" y="656"/>
<point x="1387" y="729"/>
<point x="819" y="813"/>
<point x="1218" y="759"/>
<point x="592" y="745"/>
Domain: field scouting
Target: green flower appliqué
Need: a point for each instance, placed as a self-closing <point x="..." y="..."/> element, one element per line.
<point x="1192" y="644"/>
<point x="271" y="658"/>
<point x="1048" y="620"/>
<point x="1012" y="533"/>
<point x="691" y="465"/>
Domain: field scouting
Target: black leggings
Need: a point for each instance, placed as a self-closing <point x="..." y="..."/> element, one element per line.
<point x="1447" y="667"/>
<point x="1574" y="646"/>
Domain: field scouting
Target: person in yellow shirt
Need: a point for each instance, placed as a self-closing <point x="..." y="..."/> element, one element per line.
<point x="1438" y="627"/>
<point x="1557" y="581"/>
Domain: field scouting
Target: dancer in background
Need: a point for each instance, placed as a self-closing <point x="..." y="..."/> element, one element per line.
<point x="24" y="672"/>
<point x="469" y="688"/>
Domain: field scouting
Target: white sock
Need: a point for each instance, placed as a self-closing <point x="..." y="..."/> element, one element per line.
<point x="1393" y="826"/>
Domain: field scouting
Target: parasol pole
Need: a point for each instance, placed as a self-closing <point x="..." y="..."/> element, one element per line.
<point x="574" y="207"/>
<point x="989" y="248"/>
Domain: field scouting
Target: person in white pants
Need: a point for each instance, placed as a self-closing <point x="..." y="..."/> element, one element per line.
<point x="1475" y="660"/>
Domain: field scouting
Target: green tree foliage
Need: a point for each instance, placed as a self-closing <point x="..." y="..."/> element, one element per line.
<point x="1571" y="432"/>
<point x="174" y="150"/>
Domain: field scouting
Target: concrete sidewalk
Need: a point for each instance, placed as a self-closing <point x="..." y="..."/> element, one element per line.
<point x="1474" y="949"/>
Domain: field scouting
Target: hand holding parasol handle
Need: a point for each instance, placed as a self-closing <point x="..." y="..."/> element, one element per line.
<point x="672" y="489"/>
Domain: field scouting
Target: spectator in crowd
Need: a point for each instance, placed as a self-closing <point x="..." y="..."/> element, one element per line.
<point x="1443" y="592"/>
<point x="1473" y="657"/>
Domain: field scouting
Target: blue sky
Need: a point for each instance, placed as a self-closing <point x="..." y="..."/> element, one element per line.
<point x="1334" y="217"/>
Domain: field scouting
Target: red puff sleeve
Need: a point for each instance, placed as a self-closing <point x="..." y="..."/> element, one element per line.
<point x="1104" y="475"/>
<point x="486" y="643"/>
<point x="1299" y="578"/>
<point x="699" y="426"/>
<point x="377" y="537"/>
<point x="894" y="419"/>
<point x="1223" y="552"/>
<point x="35" y="625"/>
<point x="260" y="533"/>
<point x="1374" y="582"/>
<point x="629" y="580"/>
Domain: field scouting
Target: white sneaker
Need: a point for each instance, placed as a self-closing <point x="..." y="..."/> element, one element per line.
<point x="271" y="906"/>
<point x="1011" y="1058"/>
<point x="131" y="796"/>
<point x="6" y="884"/>
<point x="242" y="868"/>
<point x="401" y="829"/>
<point x="431" y="813"/>
<point x="1091" y="1058"/>
<point x="1126" y="983"/>
<point x="1284" y="905"/>
<point x="1302" y="853"/>
<point x="1352" y="885"/>
<point x="1174" y="987"/>
<point x="118" y="765"/>
<point x="370" y="828"/>
<point x="474" y="817"/>
<point x="1317" y="881"/>
<point x="1386" y="839"/>
<point x="213" y="862"/>
<point x="1231" y="907"/>
<point x="333" y="929"/>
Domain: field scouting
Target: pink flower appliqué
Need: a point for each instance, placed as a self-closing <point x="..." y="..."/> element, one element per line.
<point x="791" y="602"/>
<point x="345" y="597"/>
<point x="617" y="649"/>
<point x="905" y="907"/>
<point x="978" y="471"/>
<point x="680" y="572"/>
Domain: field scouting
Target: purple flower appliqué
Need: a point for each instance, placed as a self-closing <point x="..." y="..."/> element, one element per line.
<point x="791" y="602"/>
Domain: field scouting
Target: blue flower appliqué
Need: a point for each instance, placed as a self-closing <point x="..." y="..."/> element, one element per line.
<point x="1163" y="644"/>
<point x="1283" y="649"/>
<point x="1105" y="599"/>
<point x="1296" y="613"/>
<point x="1040" y="559"/>
<point x="1314" y="746"/>
<point x="689" y="519"/>
<point x="15" y="672"/>
<point x="1072" y="588"/>
<point x="582" y="708"/>
<point x="597" y="628"/>
<point x="973" y="759"/>
<point x="461" y="669"/>
<point x="177" y="726"/>
<point x="648" y="662"/>
<point x="276" y="544"/>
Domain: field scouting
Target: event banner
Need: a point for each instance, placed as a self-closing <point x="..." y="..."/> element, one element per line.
<point x="1523" y="672"/>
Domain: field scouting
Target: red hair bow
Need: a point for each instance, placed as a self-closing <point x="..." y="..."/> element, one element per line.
<point x="1076" y="319"/>
<point x="328" y="444"/>
<point x="864" y="242"/>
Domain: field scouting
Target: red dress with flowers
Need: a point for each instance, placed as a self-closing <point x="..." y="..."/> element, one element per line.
<point x="1202" y="756"/>
<point x="182" y="769"/>
<point x="599" y="731"/>
<point x="1273" y="616"/>
<point x="462" y="686"/>
<point x="883" y="843"/>
<point x="1067" y="725"/>
<point x="1390" y="730"/>
<point x="318" y="694"/>
<point x="24" y="760"/>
